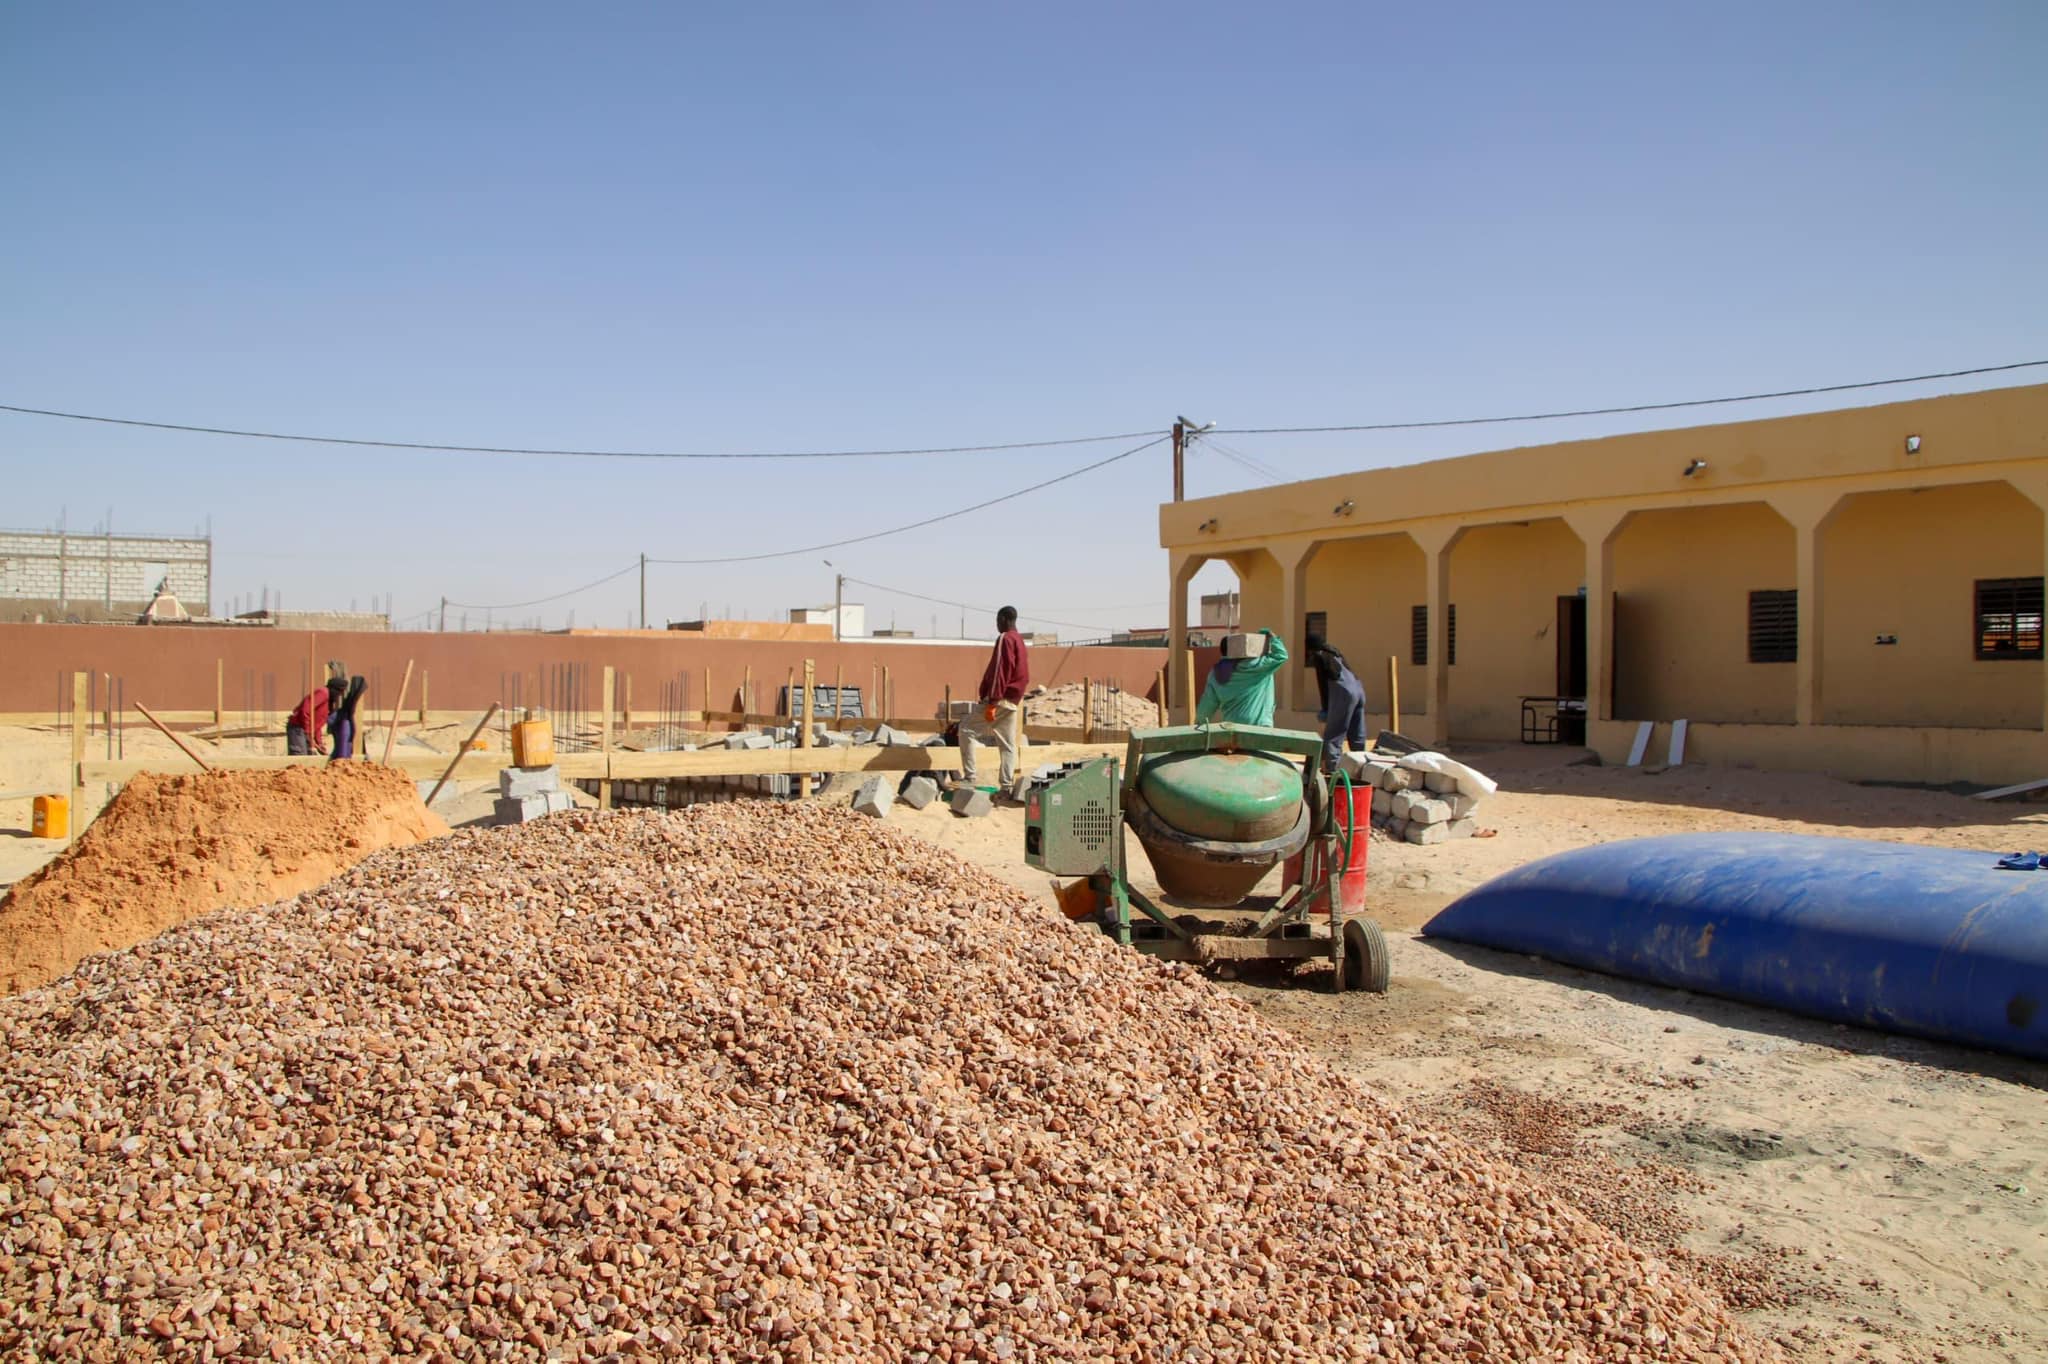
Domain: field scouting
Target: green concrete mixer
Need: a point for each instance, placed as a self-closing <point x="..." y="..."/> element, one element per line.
<point x="1216" y="807"/>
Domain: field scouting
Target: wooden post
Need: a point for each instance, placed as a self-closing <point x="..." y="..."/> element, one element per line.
<point x="81" y="716"/>
<point x="838" y="693"/>
<point x="183" y="747"/>
<point x="789" y="689"/>
<point x="1087" y="710"/>
<point x="626" y="707"/>
<point x="397" y="708"/>
<point x="1393" y="693"/>
<point x="803" y="736"/>
<point x="604" y="740"/>
<point x="946" y="715"/>
<point x="220" y="687"/>
<point x="1188" y="701"/>
<point x="423" y="698"/>
<point x="888" y="696"/>
<point x="707" y="698"/>
<point x="746" y="694"/>
<point x="461" y="753"/>
<point x="1162" y="698"/>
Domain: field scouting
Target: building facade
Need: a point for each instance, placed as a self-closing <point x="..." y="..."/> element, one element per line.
<point x="1856" y="592"/>
<point x="61" y="574"/>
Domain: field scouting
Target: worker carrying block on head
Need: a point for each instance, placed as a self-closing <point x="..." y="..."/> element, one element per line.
<point x="1240" y="686"/>
<point x="999" y="716"/>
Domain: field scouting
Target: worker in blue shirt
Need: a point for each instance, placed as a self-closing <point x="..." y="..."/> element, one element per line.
<point x="1342" y="711"/>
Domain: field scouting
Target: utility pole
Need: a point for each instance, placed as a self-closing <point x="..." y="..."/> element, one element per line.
<point x="838" y="603"/>
<point x="643" y="591"/>
<point x="444" y="615"/>
<point x="1179" y="449"/>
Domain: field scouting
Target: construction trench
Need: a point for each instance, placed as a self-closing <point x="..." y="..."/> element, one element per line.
<point x="295" y="1073"/>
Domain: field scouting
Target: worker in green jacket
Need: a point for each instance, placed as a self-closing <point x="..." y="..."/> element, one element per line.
<point x="1240" y="690"/>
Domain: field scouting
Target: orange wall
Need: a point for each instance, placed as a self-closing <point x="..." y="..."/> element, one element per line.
<point x="173" y="667"/>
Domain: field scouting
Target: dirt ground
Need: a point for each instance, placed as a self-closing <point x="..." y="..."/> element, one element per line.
<point x="1857" y="1196"/>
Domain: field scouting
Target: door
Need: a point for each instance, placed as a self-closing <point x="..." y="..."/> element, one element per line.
<point x="1571" y="646"/>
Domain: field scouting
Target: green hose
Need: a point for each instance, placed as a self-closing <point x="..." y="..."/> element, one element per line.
<point x="1350" y="820"/>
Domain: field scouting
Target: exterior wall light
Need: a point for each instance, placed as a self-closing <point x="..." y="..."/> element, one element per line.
<point x="1207" y="527"/>
<point x="1694" y="467"/>
<point x="1912" y="445"/>
<point x="1344" y="508"/>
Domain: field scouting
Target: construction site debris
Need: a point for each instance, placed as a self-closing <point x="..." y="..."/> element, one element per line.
<point x="168" y="848"/>
<point x="1066" y="706"/>
<point x="752" y="1082"/>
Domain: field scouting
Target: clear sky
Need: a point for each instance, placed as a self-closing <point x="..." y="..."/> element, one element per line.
<point x="857" y="225"/>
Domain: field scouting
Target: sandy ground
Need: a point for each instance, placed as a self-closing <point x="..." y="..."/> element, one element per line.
<point x="1858" y="1196"/>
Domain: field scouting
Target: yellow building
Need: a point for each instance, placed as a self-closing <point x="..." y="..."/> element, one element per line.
<point x="1856" y="592"/>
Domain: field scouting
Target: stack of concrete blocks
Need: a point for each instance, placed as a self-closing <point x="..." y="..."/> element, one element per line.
<point x="1414" y="805"/>
<point x="529" y="793"/>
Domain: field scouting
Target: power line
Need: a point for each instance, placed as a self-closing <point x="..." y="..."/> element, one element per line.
<point x="1634" y="407"/>
<point x="927" y="521"/>
<point x="970" y="606"/>
<point x="574" y="454"/>
<point x="633" y="567"/>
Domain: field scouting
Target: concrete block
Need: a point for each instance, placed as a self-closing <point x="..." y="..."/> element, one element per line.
<point x="559" y="801"/>
<point x="1462" y="806"/>
<point x="757" y="741"/>
<point x="935" y="741"/>
<point x="524" y="809"/>
<point x="517" y="783"/>
<point x="1462" y="828"/>
<point x="970" y="802"/>
<point x="1398" y="779"/>
<point x="1021" y="787"/>
<point x="1439" y="782"/>
<point x="919" y="792"/>
<point x="862" y="736"/>
<point x="1401" y="805"/>
<point x="1426" y="834"/>
<point x="888" y="736"/>
<point x="1397" y="829"/>
<point x="1383" y="802"/>
<point x="1371" y="771"/>
<point x="1429" y="811"/>
<point x="832" y="738"/>
<point x="737" y="740"/>
<point x="875" y="796"/>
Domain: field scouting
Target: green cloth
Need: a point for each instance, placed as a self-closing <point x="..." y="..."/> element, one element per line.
<point x="1247" y="698"/>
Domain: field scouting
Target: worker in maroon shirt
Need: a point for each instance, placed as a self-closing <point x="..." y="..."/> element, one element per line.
<point x="998" y="718"/>
<point x="305" y="732"/>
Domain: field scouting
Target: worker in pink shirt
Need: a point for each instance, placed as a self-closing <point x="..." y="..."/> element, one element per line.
<point x="998" y="719"/>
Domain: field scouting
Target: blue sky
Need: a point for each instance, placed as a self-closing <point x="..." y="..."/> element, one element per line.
<point x="861" y="225"/>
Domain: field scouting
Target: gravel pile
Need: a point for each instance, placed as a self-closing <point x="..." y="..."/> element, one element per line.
<point x="1067" y="705"/>
<point x="749" y="1082"/>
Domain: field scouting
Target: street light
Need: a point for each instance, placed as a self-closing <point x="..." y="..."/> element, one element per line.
<point x="838" y="596"/>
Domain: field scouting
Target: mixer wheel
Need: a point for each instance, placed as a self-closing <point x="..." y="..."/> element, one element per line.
<point x="1366" y="964"/>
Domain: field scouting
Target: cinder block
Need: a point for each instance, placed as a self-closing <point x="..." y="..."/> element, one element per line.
<point x="524" y="809"/>
<point x="1371" y="771"/>
<point x="888" y="736"/>
<point x="1397" y="829"/>
<point x="1402" y="804"/>
<point x="1426" y="834"/>
<point x="1021" y="787"/>
<point x="875" y="796"/>
<point x="919" y="792"/>
<point x="1397" y="779"/>
<point x="1462" y="806"/>
<point x="516" y="783"/>
<point x="737" y="740"/>
<point x="832" y="738"/>
<point x="1383" y="802"/>
<point x="1439" y="782"/>
<point x="863" y="736"/>
<point x="1462" y="828"/>
<point x="758" y="741"/>
<point x="558" y="801"/>
<point x="970" y="802"/>
<point x="1430" y="811"/>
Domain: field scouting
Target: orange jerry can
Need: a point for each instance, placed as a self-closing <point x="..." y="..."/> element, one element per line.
<point x="533" y="743"/>
<point x="52" y="817"/>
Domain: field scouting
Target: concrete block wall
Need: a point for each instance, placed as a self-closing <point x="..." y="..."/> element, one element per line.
<point x="92" y="568"/>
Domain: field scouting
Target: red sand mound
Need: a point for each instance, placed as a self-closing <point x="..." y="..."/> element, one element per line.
<point x="169" y="848"/>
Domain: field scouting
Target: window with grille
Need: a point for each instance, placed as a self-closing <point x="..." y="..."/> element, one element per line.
<point x="2008" y="618"/>
<point x="1418" y="636"/>
<point x="1774" y="626"/>
<point x="1318" y="623"/>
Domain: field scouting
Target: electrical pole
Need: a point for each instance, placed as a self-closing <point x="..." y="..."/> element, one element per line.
<point x="444" y="615"/>
<point x="1179" y="448"/>
<point x="838" y="603"/>
<point x="643" y="591"/>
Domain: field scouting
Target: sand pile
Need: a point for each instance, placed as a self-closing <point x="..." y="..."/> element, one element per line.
<point x="747" y="1082"/>
<point x="1064" y="705"/>
<point x="168" y="848"/>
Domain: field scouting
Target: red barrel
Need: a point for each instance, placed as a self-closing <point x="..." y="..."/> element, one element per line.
<point x="1352" y="884"/>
